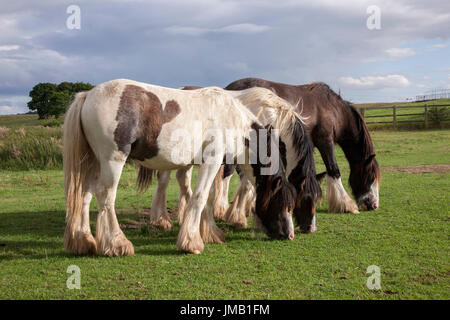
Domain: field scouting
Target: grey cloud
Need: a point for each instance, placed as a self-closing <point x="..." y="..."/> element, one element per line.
<point x="201" y="42"/>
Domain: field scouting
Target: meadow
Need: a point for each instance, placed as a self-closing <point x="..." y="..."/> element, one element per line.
<point x="407" y="237"/>
<point x="409" y="115"/>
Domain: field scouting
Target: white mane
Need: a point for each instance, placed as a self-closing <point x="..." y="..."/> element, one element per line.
<point x="269" y="107"/>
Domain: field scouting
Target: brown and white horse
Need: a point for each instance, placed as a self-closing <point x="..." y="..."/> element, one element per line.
<point x="123" y="119"/>
<point x="297" y="157"/>
<point x="332" y="120"/>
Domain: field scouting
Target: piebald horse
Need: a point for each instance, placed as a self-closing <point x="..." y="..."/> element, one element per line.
<point x="332" y="120"/>
<point x="123" y="119"/>
<point x="297" y="157"/>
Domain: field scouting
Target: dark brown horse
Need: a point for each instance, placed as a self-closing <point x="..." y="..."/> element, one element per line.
<point x="331" y="120"/>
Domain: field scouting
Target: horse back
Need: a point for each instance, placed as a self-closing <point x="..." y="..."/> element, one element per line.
<point x="326" y="112"/>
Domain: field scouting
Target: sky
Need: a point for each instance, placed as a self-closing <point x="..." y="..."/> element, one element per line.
<point x="390" y="52"/>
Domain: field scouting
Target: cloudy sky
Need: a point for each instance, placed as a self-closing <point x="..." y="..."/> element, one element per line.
<point x="214" y="42"/>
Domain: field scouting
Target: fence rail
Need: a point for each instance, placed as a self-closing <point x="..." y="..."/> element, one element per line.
<point x="430" y="114"/>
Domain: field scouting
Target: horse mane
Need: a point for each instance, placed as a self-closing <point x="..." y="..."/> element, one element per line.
<point x="285" y="114"/>
<point x="364" y="140"/>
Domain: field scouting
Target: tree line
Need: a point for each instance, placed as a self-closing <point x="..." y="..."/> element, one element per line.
<point x="50" y="99"/>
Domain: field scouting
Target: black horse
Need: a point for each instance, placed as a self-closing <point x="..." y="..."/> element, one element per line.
<point x="331" y="120"/>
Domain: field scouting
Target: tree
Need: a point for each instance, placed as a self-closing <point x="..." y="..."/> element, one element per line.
<point x="49" y="99"/>
<point x="59" y="100"/>
<point x="40" y="98"/>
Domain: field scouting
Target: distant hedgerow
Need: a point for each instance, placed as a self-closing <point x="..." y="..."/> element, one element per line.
<point x="32" y="148"/>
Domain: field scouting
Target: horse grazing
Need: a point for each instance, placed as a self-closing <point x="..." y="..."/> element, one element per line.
<point x="123" y="119"/>
<point x="331" y="120"/>
<point x="296" y="154"/>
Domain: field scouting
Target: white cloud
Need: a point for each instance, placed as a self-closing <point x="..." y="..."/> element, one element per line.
<point x="9" y="47"/>
<point x="11" y="110"/>
<point x="246" y="28"/>
<point x="400" y="52"/>
<point x="378" y="82"/>
<point x="439" y="45"/>
<point x="6" y="109"/>
<point x="242" y="28"/>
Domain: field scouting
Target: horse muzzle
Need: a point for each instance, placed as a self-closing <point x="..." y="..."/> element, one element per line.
<point x="369" y="204"/>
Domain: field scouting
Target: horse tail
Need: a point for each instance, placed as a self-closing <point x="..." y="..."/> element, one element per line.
<point x="79" y="162"/>
<point x="144" y="178"/>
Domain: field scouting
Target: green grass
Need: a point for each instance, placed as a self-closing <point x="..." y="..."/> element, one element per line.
<point x="407" y="238"/>
<point x="30" y="147"/>
<point x="20" y="120"/>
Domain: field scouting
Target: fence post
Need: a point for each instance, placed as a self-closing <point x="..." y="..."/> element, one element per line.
<point x="426" y="116"/>
<point x="394" y="115"/>
<point x="362" y="111"/>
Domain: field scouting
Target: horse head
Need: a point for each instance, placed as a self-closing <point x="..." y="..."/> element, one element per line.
<point x="365" y="182"/>
<point x="275" y="196"/>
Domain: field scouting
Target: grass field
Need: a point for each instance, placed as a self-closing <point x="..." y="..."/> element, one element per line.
<point x="407" y="115"/>
<point x="408" y="238"/>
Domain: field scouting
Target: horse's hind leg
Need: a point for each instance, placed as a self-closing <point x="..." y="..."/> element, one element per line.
<point x="184" y="176"/>
<point x="189" y="237"/>
<point x="82" y="241"/>
<point x="208" y="229"/>
<point x="338" y="198"/>
<point x="158" y="213"/>
<point x="221" y="187"/>
<point x="237" y="211"/>
<point x="111" y="241"/>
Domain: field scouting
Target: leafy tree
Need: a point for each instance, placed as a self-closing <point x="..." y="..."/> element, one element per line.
<point x="40" y="98"/>
<point x="59" y="100"/>
<point x="49" y="99"/>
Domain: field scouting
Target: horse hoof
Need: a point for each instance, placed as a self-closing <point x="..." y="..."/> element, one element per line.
<point x="220" y="212"/>
<point x="120" y="246"/>
<point x="240" y="225"/>
<point x="163" y="222"/>
<point x="81" y="243"/>
<point x="190" y="244"/>
<point x="214" y="236"/>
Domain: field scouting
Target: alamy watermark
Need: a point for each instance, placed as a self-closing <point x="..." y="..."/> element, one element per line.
<point x="373" y="22"/>
<point x="74" y="280"/>
<point x="374" y="280"/>
<point x="225" y="146"/>
<point x="74" y="19"/>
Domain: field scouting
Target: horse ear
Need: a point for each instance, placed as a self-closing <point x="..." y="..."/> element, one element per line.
<point x="370" y="158"/>
<point x="320" y="176"/>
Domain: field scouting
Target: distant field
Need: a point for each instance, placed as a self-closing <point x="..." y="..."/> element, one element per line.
<point x="389" y="104"/>
<point x="20" y="120"/>
<point x="412" y="117"/>
<point x="407" y="238"/>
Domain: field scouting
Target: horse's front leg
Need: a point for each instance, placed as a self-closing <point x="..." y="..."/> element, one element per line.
<point x="184" y="176"/>
<point x="208" y="229"/>
<point x="158" y="213"/>
<point x="338" y="198"/>
<point x="189" y="237"/>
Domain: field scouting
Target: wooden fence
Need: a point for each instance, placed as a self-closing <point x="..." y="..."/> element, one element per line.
<point x="430" y="114"/>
